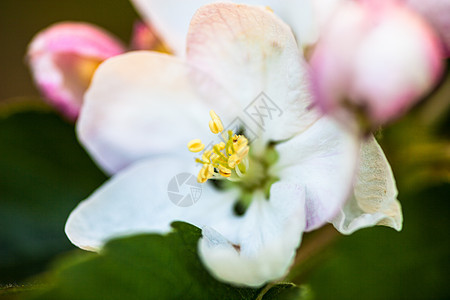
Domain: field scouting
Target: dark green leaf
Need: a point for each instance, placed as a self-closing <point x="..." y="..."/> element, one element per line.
<point x="44" y="173"/>
<point x="146" y="266"/>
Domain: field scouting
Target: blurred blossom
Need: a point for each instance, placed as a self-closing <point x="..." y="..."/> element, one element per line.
<point x="374" y="60"/>
<point x="63" y="59"/>
<point x="143" y="108"/>
<point x="437" y="13"/>
<point x="144" y="38"/>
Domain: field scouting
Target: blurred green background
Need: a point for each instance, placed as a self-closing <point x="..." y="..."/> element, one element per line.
<point x="44" y="173"/>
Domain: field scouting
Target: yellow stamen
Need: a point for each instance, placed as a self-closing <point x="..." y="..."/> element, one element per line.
<point x="196" y="146"/>
<point x="225" y="172"/>
<point x="215" y="125"/>
<point x="228" y="159"/>
<point x="233" y="160"/>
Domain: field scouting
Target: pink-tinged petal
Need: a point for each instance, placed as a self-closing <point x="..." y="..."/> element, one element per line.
<point x="394" y="78"/>
<point x="266" y="241"/>
<point x="141" y="104"/>
<point x="437" y="13"/>
<point x="171" y="18"/>
<point x="378" y="58"/>
<point x="323" y="159"/>
<point x="143" y="37"/>
<point x="249" y="51"/>
<point x="374" y="200"/>
<point x="63" y="58"/>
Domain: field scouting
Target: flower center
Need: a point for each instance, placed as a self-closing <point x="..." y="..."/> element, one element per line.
<point x="224" y="160"/>
<point x="233" y="160"/>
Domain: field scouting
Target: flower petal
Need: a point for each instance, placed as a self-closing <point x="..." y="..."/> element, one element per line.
<point x="374" y="201"/>
<point x="436" y="12"/>
<point x="136" y="200"/>
<point x="141" y="104"/>
<point x="249" y="51"/>
<point x="172" y="24"/>
<point x="170" y="19"/>
<point x="63" y="58"/>
<point x="268" y="236"/>
<point x="408" y="68"/>
<point x="323" y="159"/>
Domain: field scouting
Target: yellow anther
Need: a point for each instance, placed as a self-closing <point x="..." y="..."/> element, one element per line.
<point x="215" y="125"/>
<point x="240" y="143"/>
<point x="205" y="173"/>
<point x="196" y="145"/>
<point x="233" y="160"/>
<point x="200" y="178"/>
<point x="225" y="172"/>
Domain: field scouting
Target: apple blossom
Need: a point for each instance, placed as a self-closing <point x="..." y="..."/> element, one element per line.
<point x="374" y="60"/>
<point x="157" y="104"/>
<point x="63" y="58"/>
<point x="436" y="12"/>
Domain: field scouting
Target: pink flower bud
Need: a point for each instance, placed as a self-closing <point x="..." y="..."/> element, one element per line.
<point x="63" y="59"/>
<point x="437" y="13"/>
<point x="143" y="37"/>
<point x="374" y="60"/>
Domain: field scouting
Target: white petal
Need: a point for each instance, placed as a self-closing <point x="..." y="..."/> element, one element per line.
<point x="374" y="201"/>
<point x="249" y="51"/>
<point x="142" y="104"/>
<point x="136" y="200"/>
<point x="266" y="242"/>
<point x="171" y="18"/>
<point x="323" y="159"/>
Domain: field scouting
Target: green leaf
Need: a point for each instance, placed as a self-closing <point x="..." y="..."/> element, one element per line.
<point x="149" y="266"/>
<point x="44" y="173"/>
<point x="144" y="267"/>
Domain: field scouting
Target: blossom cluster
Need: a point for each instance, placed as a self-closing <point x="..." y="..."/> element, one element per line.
<point x="336" y="69"/>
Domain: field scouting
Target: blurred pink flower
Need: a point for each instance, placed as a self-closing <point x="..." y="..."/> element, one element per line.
<point x="63" y="59"/>
<point x="375" y="60"/>
<point x="437" y="13"/>
<point x="143" y="37"/>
